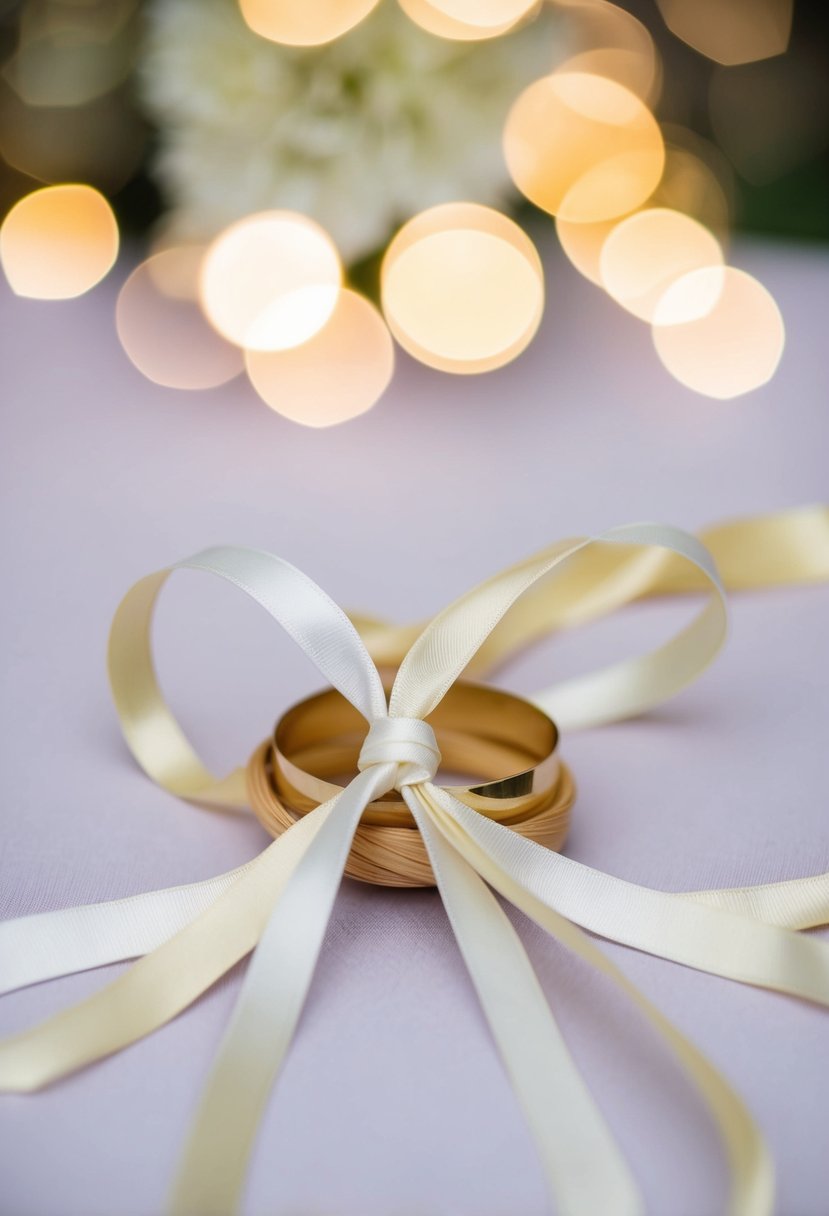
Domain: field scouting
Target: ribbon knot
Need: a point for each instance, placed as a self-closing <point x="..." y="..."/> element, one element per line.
<point x="407" y="743"/>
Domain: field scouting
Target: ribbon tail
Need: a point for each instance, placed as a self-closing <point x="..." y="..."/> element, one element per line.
<point x="684" y="930"/>
<point x="787" y="548"/>
<point x="752" y="1176"/>
<point x="796" y="903"/>
<point x="47" y="945"/>
<point x="212" y="1174"/>
<point x="159" y="986"/>
<point x="585" y="1170"/>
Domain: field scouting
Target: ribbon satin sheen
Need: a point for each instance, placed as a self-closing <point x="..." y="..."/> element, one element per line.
<point x="278" y="905"/>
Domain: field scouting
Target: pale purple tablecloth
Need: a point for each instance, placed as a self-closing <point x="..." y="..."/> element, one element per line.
<point x="393" y="1101"/>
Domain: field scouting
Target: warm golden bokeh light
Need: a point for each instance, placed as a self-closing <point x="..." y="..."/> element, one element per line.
<point x="583" y="244"/>
<point x="486" y="14"/>
<point x="304" y="22"/>
<point x="583" y="147"/>
<point x="436" y="21"/>
<point x="696" y="180"/>
<point x="338" y="374"/>
<point x="735" y="340"/>
<point x="168" y="339"/>
<point x="731" y="31"/>
<point x="645" y="253"/>
<point x="697" y="294"/>
<point x="270" y="281"/>
<point x="58" y="242"/>
<point x="611" y="42"/>
<point x="177" y="272"/>
<point x="614" y="63"/>
<point x="463" y="288"/>
<point x="689" y="184"/>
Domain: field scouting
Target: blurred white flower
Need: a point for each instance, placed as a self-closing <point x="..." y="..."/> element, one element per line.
<point x="359" y="134"/>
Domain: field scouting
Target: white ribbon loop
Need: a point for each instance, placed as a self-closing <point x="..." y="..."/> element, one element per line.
<point x="310" y="617"/>
<point x="452" y="639"/>
<point x="407" y="745"/>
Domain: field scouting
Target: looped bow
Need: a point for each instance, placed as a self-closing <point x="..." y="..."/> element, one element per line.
<point x="280" y="902"/>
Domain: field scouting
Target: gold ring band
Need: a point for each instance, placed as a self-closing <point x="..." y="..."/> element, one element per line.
<point x="502" y="738"/>
<point x="480" y="731"/>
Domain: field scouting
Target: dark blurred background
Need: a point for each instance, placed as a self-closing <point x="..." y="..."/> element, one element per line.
<point x="769" y="118"/>
<point x="70" y="110"/>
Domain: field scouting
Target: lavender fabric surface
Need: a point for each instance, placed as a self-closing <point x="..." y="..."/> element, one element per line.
<point x="393" y="1101"/>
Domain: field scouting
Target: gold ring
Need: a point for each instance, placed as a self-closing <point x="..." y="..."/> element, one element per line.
<point x="482" y="733"/>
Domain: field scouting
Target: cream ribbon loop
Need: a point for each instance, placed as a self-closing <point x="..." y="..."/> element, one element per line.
<point x="408" y="744"/>
<point x="279" y="904"/>
<point x="305" y="612"/>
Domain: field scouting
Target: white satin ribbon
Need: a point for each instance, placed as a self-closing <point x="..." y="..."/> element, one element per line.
<point x="584" y="1168"/>
<point x="282" y="900"/>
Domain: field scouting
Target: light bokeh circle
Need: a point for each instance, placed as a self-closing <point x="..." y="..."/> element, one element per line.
<point x="582" y="243"/>
<point x="648" y="251"/>
<point x="737" y="32"/>
<point x="270" y="281"/>
<point x="694" y="184"/>
<point x="628" y="68"/>
<point x="336" y="375"/>
<point x="486" y="14"/>
<point x="304" y="22"/>
<point x="177" y="274"/>
<point x="609" y="41"/>
<point x="167" y="338"/>
<point x="462" y="288"/>
<point x="688" y="184"/>
<point x="734" y="338"/>
<point x="583" y="147"/>
<point x="437" y="21"/>
<point x="58" y="242"/>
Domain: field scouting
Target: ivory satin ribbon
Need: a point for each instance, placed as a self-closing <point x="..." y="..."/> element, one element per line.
<point x="278" y="905"/>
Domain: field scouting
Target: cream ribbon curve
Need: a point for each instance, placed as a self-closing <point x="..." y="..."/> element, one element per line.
<point x="278" y="905"/>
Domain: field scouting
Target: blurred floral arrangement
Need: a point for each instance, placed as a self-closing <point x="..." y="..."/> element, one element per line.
<point x="404" y="140"/>
<point x="360" y="134"/>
